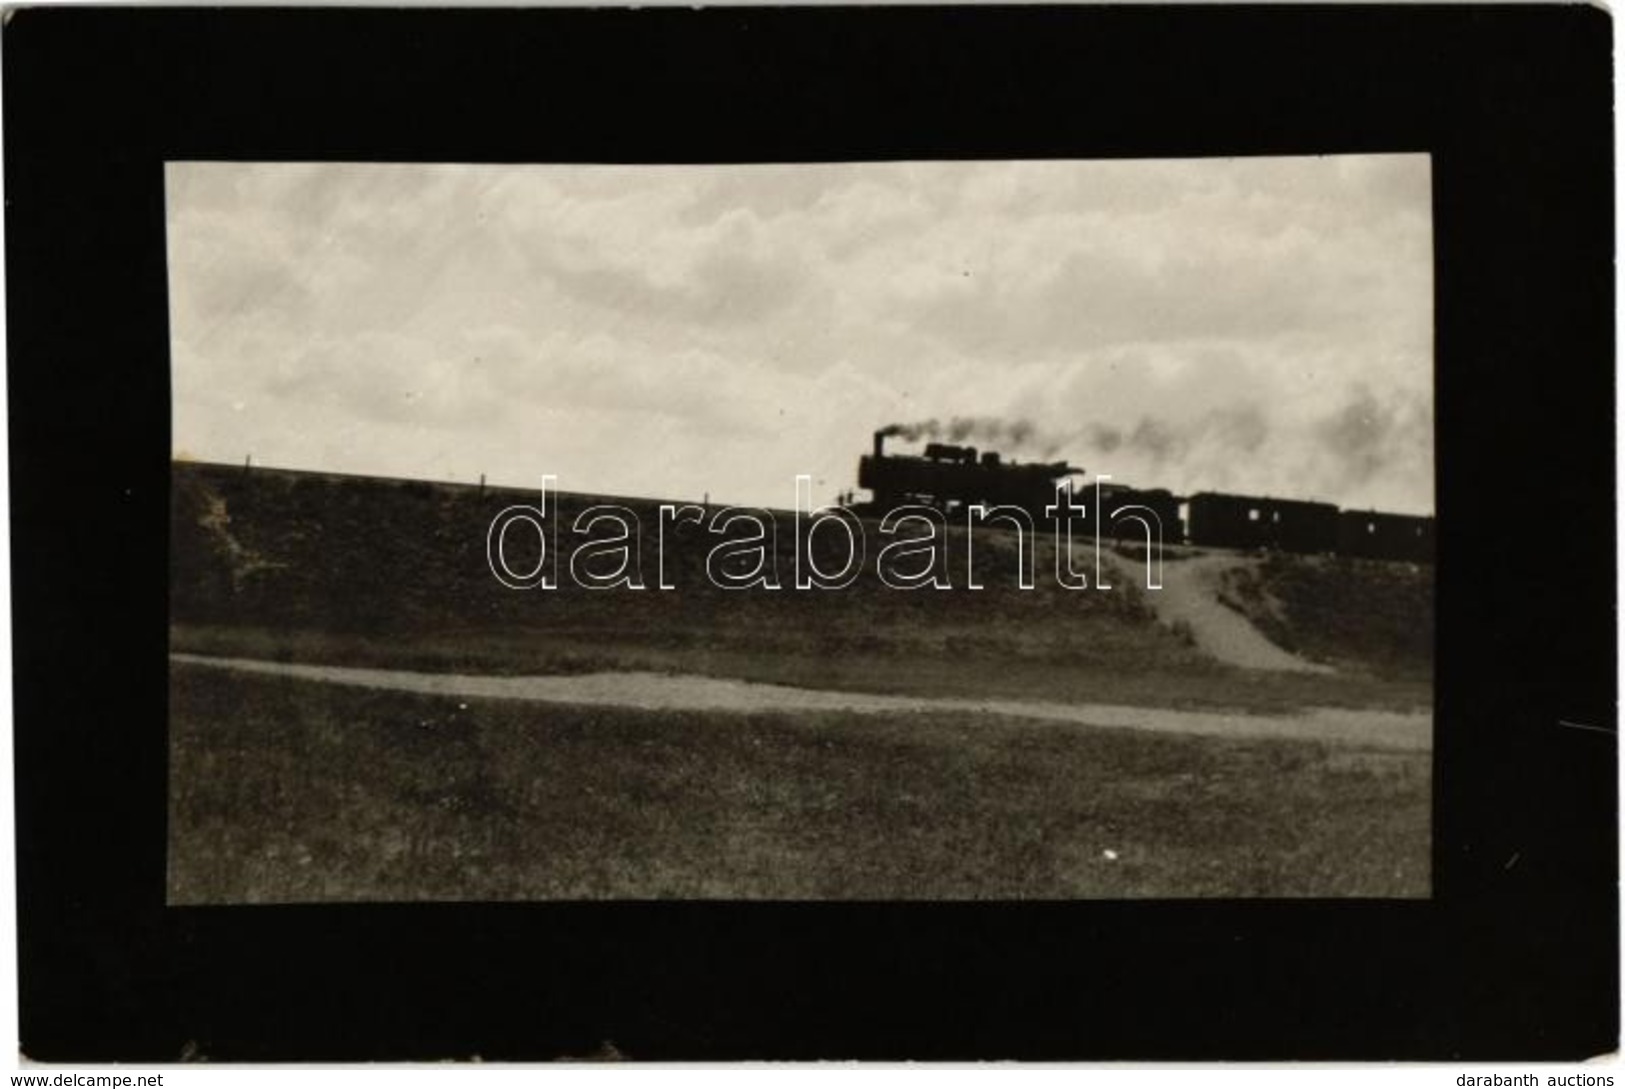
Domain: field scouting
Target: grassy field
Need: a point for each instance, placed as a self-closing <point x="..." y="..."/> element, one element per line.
<point x="287" y="790"/>
<point x="1107" y="672"/>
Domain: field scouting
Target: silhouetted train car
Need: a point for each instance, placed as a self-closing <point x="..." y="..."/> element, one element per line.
<point x="1243" y="521"/>
<point x="1118" y="503"/>
<point x="948" y="477"/>
<point x="1378" y="536"/>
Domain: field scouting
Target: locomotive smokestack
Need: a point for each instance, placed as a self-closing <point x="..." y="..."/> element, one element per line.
<point x="880" y="443"/>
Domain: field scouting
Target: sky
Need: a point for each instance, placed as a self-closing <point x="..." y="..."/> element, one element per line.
<point x="1260" y="325"/>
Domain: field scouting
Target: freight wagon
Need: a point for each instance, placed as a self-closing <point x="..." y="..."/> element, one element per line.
<point x="949" y="477"/>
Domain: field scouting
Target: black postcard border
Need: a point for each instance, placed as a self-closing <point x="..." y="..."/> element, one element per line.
<point x="1515" y="956"/>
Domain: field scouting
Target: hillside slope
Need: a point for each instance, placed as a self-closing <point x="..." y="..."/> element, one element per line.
<point x="1362" y="616"/>
<point x="364" y="571"/>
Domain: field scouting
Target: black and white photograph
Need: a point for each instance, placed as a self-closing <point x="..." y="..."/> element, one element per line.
<point x="871" y="531"/>
<point x="997" y="535"/>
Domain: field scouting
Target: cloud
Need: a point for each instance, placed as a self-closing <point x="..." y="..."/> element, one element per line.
<point x="1368" y="438"/>
<point x="721" y="287"/>
<point x="1260" y="324"/>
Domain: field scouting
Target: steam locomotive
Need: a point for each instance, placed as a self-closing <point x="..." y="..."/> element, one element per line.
<point x="949" y="477"/>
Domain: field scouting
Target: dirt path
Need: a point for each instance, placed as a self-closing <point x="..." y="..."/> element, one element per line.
<point x="1190" y="594"/>
<point x="663" y="692"/>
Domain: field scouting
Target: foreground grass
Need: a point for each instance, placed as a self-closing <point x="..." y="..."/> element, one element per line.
<point x="287" y="790"/>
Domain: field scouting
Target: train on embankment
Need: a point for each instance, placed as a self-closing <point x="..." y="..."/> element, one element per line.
<point x="949" y="477"/>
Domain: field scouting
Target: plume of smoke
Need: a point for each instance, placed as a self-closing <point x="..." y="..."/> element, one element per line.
<point x="1104" y="437"/>
<point x="1231" y="432"/>
<point x="986" y="430"/>
<point x="1368" y="438"/>
<point x="913" y="432"/>
<point x="1366" y="441"/>
<point x="1184" y="450"/>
